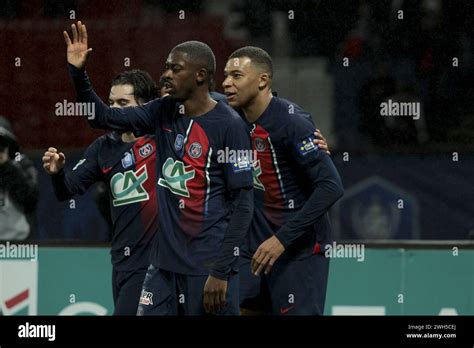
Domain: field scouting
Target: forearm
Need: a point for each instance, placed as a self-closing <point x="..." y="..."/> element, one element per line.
<point x="242" y="212"/>
<point x="60" y="186"/>
<point x="328" y="189"/>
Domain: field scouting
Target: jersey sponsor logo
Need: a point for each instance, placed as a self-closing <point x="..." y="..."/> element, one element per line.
<point x="178" y="143"/>
<point x="127" y="160"/>
<point x="146" y="150"/>
<point x="260" y="144"/>
<point x="79" y="163"/>
<point x="176" y="176"/>
<point x="195" y="150"/>
<point x="256" y="172"/>
<point x="307" y="146"/>
<point x="127" y="188"/>
<point x="146" y="298"/>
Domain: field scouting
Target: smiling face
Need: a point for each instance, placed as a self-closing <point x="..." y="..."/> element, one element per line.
<point x="243" y="82"/>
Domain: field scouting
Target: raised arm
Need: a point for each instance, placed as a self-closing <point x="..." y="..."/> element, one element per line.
<point x="140" y="120"/>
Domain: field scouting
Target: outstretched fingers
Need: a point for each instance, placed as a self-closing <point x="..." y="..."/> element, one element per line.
<point x="79" y="31"/>
<point x="67" y="38"/>
<point x="83" y="34"/>
<point x="74" y="33"/>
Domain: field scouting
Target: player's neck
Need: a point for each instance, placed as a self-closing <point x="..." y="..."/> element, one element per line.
<point x="128" y="137"/>
<point x="255" y="109"/>
<point x="199" y="104"/>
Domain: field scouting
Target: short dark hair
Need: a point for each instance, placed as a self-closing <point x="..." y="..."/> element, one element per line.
<point x="144" y="87"/>
<point x="257" y="55"/>
<point x="201" y="54"/>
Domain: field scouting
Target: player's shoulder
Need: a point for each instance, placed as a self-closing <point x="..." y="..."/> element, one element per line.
<point x="229" y="115"/>
<point x="107" y="140"/>
<point x="218" y="96"/>
<point x="289" y="112"/>
<point x="164" y="105"/>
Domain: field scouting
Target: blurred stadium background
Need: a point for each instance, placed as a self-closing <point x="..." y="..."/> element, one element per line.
<point x="409" y="196"/>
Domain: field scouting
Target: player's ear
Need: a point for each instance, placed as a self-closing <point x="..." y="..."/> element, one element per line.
<point x="264" y="81"/>
<point x="201" y="76"/>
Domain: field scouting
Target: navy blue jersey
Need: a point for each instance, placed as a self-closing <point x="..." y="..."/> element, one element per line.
<point x="193" y="182"/>
<point x="283" y="181"/>
<point x="129" y="170"/>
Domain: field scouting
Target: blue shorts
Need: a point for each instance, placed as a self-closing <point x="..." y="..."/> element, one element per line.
<point x="293" y="286"/>
<point x="168" y="293"/>
<point x="127" y="287"/>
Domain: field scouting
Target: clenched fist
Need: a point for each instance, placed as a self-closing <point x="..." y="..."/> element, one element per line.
<point x="53" y="161"/>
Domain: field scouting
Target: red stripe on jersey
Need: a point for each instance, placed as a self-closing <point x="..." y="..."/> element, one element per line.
<point x="273" y="196"/>
<point x="195" y="155"/>
<point x="144" y="151"/>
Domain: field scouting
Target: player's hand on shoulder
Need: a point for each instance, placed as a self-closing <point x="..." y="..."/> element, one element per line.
<point x="77" y="49"/>
<point x="321" y="141"/>
<point x="53" y="161"/>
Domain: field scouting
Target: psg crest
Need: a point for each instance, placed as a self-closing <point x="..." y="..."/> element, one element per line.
<point x="260" y="145"/>
<point x="146" y="150"/>
<point x="195" y="150"/>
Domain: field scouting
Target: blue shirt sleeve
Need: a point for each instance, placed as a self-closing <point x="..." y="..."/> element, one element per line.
<point x="83" y="175"/>
<point x="319" y="169"/>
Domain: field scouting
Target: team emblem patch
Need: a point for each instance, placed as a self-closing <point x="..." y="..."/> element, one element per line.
<point x="178" y="143"/>
<point x="242" y="164"/>
<point x="260" y="144"/>
<point x="307" y="146"/>
<point x="146" y="150"/>
<point x="127" y="160"/>
<point x="195" y="150"/>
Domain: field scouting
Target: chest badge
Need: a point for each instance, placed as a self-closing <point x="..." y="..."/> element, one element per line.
<point x="127" y="160"/>
<point x="260" y="144"/>
<point x="146" y="150"/>
<point x="195" y="150"/>
<point x="178" y="143"/>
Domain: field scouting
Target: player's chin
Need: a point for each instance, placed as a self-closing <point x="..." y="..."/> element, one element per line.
<point x="177" y="96"/>
<point x="233" y="102"/>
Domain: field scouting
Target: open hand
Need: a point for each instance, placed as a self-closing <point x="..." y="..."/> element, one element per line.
<point x="77" y="50"/>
